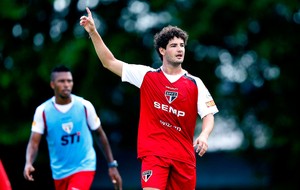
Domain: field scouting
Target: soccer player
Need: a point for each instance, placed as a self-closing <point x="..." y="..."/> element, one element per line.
<point x="4" y="181"/>
<point x="170" y="101"/>
<point x="67" y="121"/>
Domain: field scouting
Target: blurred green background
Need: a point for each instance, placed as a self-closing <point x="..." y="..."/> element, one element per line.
<point x="246" y="52"/>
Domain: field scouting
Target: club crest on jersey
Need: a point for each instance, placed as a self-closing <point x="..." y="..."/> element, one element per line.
<point x="171" y="96"/>
<point x="67" y="127"/>
<point x="146" y="175"/>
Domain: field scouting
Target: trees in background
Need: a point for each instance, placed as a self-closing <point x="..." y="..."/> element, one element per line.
<point x="245" y="51"/>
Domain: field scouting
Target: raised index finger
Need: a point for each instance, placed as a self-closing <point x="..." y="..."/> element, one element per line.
<point x="89" y="12"/>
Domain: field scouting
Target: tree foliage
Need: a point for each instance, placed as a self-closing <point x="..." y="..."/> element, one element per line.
<point x="245" y="51"/>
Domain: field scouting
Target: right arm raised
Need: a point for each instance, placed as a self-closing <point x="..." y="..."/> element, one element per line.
<point x="105" y="55"/>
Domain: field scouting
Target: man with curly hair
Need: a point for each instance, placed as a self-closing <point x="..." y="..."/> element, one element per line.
<point x="170" y="101"/>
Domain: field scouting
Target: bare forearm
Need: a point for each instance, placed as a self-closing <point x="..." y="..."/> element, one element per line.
<point x="107" y="151"/>
<point x="104" y="145"/>
<point x="31" y="153"/>
<point x="201" y="141"/>
<point x="103" y="53"/>
<point x="207" y="125"/>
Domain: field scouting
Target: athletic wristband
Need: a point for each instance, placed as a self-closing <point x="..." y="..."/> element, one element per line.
<point x="113" y="164"/>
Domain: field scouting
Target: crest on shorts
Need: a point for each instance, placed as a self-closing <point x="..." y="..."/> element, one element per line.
<point x="171" y="96"/>
<point x="146" y="175"/>
<point x="67" y="127"/>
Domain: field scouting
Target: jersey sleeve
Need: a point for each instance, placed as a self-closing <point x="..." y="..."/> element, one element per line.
<point x="206" y="104"/>
<point x="92" y="117"/>
<point x="134" y="74"/>
<point x="38" y="124"/>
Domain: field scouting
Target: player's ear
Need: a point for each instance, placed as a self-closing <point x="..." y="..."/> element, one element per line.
<point x="52" y="85"/>
<point x="162" y="51"/>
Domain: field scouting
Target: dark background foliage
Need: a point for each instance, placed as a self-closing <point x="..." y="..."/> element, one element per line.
<point x="246" y="52"/>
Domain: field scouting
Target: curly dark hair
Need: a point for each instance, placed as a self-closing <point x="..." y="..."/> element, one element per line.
<point x="162" y="38"/>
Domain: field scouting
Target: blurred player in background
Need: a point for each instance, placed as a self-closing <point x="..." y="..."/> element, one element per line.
<point x="4" y="181"/>
<point x="68" y="123"/>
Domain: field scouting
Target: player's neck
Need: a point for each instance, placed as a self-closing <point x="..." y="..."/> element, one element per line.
<point x="62" y="101"/>
<point x="171" y="70"/>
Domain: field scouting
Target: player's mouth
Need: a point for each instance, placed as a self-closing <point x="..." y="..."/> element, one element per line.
<point x="66" y="91"/>
<point x="179" y="56"/>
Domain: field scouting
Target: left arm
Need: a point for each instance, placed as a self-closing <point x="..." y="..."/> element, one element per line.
<point x="206" y="110"/>
<point x="201" y="140"/>
<point x="103" y="143"/>
<point x="94" y="124"/>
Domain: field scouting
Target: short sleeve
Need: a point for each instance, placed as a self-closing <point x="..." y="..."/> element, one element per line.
<point x="38" y="124"/>
<point x="92" y="117"/>
<point x="134" y="74"/>
<point x="206" y="104"/>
